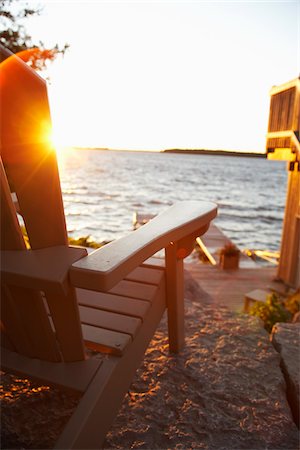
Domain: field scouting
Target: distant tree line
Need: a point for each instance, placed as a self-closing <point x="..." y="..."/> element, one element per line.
<point x="215" y="152"/>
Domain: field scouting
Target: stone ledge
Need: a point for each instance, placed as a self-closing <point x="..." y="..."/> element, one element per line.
<point x="286" y="340"/>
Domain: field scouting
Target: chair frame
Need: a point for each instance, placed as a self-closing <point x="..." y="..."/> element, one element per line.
<point x="44" y="335"/>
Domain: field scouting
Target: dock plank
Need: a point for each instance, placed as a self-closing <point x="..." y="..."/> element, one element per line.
<point x="228" y="287"/>
<point x="214" y="239"/>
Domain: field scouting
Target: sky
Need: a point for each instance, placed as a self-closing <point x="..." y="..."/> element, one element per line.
<point x="151" y="75"/>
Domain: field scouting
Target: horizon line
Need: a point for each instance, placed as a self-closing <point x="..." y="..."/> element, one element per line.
<point x="167" y="150"/>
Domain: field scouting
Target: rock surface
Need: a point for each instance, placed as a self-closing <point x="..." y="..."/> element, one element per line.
<point x="286" y="339"/>
<point x="224" y="391"/>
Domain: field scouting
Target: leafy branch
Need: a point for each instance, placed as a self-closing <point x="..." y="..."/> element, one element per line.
<point x="14" y="36"/>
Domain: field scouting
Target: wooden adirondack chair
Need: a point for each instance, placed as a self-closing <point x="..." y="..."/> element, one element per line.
<point x="56" y="300"/>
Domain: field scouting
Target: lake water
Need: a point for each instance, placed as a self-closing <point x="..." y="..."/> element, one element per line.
<point x="102" y="190"/>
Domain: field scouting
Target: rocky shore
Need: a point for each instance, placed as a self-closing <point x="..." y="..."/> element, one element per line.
<point x="226" y="390"/>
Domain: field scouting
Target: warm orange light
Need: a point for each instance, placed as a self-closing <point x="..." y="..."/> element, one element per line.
<point x="27" y="154"/>
<point x="26" y="122"/>
<point x="57" y="142"/>
<point x="50" y="137"/>
<point x="34" y="126"/>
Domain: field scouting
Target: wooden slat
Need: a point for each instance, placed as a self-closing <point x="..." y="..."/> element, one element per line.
<point x="65" y="316"/>
<point x="282" y="153"/>
<point x="105" y="267"/>
<point x="296" y="118"/>
<point x="12" y="324"/>
<point x="290" y="99"/>
<point x="33" y="316"/>
<point x="109" y="321"/>
<point x="153" y="262"/>
<point x="42" y="269"/>
<point x="11" y="236"/>
<point x="278" y="134"/>
<point x="175" y="298"/>
<point x="103" y="399"/>
<point x="283" y="87"/>
<point x="284" y="112"/>
<point x="27" y="155"/>
<point x="145" y="275"/>
<point x="257" y="295"/>
<point x="24" y="315"/>
<point x="134" y="290"/>
<point x="229" y="287"/>
<point x="105" y="341"/>
<point x="6" y="342"/>
<point x="72" y="375"/>
<point x="205" y="250"/>
<point x="113" y="303"/>
<point x="288" y="269"/>
<point x="47" y="270"/>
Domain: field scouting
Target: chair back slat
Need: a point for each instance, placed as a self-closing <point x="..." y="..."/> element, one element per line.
<point x="27" y="325"/>
<point x="28" y="157"/>
<point x="66" y="320"/>
<point x="30" y="170"/>
<point x="284" y="121"/>
<point x="6" y="343"/>
<point x="36" y="324"/>
<point x="11" y="235"/>
<point x="12" y="324"/>
<point x="23" y="315"/>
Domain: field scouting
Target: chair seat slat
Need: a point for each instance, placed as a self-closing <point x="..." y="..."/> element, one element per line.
<point x="145" y="275"/>
<point x="113" y="303"/>
<point x="106" y="341"/>
<point x="133" y="289"/>
<point x="72" y="375"/>
<point x="109" y="321"/>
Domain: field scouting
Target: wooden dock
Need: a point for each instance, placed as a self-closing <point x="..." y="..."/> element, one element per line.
<point x="228" y="287"/>
<point x="214" y="239"/>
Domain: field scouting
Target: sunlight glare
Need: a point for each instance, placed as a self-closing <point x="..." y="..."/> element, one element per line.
<point x="57" y="142"/>
<point x="185" y="86"/>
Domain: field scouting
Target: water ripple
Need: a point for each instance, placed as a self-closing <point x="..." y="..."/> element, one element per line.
<point x="101" y="190"/>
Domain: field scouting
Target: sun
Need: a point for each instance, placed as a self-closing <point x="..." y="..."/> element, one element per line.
<point x="57" y="142"/>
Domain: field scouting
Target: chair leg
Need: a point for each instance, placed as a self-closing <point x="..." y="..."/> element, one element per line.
<point x="175" y="298"/>
<point x="99" y="405"/>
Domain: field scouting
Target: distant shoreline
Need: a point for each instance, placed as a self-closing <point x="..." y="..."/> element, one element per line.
<point x="181" y="151"/>
<point x="216" y="152"/>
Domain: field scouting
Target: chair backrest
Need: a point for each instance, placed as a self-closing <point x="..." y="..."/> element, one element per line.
<point x="29" y="169"/>
<point x="284" y="121"/>
<point x="29" y="160"/>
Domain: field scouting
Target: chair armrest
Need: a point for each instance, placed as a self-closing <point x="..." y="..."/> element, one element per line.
<point x="105" y="267"/>
<point x="40" y="269"/>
